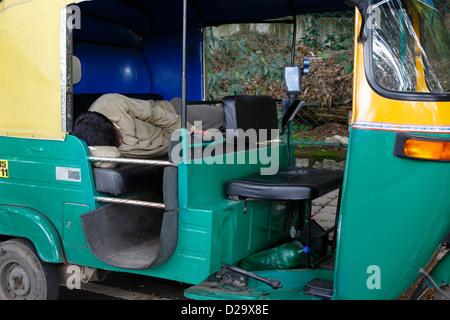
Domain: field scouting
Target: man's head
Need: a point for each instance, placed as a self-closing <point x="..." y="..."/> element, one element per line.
<point x="96" y="130"/>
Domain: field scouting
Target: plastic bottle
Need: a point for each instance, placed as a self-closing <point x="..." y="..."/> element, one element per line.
<point x="285" y="256"/>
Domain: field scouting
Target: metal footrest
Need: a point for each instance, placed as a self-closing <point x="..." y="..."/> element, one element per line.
<point x="320" y="288"/>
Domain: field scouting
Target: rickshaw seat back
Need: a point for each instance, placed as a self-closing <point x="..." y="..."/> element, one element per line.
<point x="250" y="112"/>
<point x="128" y="178"/>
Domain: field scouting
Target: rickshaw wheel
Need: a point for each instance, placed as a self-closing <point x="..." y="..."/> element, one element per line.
<point x="23" y="276"/>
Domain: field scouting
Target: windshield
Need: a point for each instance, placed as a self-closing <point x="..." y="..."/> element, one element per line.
<point x="410" y="46"/>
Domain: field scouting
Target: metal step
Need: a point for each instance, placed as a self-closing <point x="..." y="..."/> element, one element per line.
<point x="320" y="288"/>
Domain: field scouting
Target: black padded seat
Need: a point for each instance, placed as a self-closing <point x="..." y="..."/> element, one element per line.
<point x="127" y="178"/>
<point x="290" y="184"/>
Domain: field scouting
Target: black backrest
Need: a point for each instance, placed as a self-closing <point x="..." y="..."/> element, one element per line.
<point x="250" y="112"/>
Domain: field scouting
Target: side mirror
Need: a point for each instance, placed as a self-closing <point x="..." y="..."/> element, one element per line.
<point x="293" y="77"/>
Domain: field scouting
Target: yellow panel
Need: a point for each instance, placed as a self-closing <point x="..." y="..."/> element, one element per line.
<point x="371" y="110"/>
<point x="30" y="75"/>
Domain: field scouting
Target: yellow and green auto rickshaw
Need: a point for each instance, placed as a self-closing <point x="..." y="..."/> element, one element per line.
<point x="219" y="213"/>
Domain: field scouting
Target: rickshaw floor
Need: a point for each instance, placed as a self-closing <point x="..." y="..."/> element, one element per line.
<point x="138" y="255"/>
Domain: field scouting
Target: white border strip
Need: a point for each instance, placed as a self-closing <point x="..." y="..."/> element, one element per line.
<point x="400" y="127"/>
<point x="63" y="63"/>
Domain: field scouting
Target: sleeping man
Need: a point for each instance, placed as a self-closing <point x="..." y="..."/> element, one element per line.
<point x="116" y="125"/>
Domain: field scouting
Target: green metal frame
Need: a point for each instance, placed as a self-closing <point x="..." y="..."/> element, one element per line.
<point x="212" y="229"/>
<point x="394" y="216"/>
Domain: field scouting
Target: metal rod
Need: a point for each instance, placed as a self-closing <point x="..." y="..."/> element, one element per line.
<point x="131" y="202"/>
<point x="274" y="283"/>
<point x="204" y="102"/>
<point x="308" y="239"/>
<point x="133" y="161"/>
<point x="246" y="21"/>
<point x="294" y="39"/>
<point x="289" y="145"/>
<point x="183" y="79"/>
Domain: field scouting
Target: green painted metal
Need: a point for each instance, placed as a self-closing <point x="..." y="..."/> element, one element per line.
<point x="219" y="232"/>
<point x="394" y="215"/>
<point x="212" y="229"/>
<point x="36" y="199"/>
<point x="28" y="223"/>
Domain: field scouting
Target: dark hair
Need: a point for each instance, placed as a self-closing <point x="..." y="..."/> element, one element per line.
<point x="95" y="129"/>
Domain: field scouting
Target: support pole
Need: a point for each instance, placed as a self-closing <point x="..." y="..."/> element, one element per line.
<point x="294" y="39"/>
<point x="183" y="79"/>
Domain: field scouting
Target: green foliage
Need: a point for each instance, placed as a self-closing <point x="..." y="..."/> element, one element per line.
<point x="250" y="59"/>
<point x="236" y="64"/>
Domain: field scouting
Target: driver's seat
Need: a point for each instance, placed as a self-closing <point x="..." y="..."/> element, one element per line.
<point x="290" y="183"/>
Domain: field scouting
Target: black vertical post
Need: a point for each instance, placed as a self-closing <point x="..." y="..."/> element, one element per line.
<point x="294" y="39"/>
<point x="183" y="79"/>
<point x="292" y="97"/>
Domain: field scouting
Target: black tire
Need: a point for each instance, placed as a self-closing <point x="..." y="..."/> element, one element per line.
<point x="23" y="275"/>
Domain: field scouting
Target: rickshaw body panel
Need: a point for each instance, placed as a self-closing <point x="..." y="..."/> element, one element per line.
<point x="394" y="211"/>
<point x="212" y="229"/>
<point x="394" y="216"/>
<point x="28" y="223"/>
<point x="30" y="79"/>
<point x="37" y="198"/>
